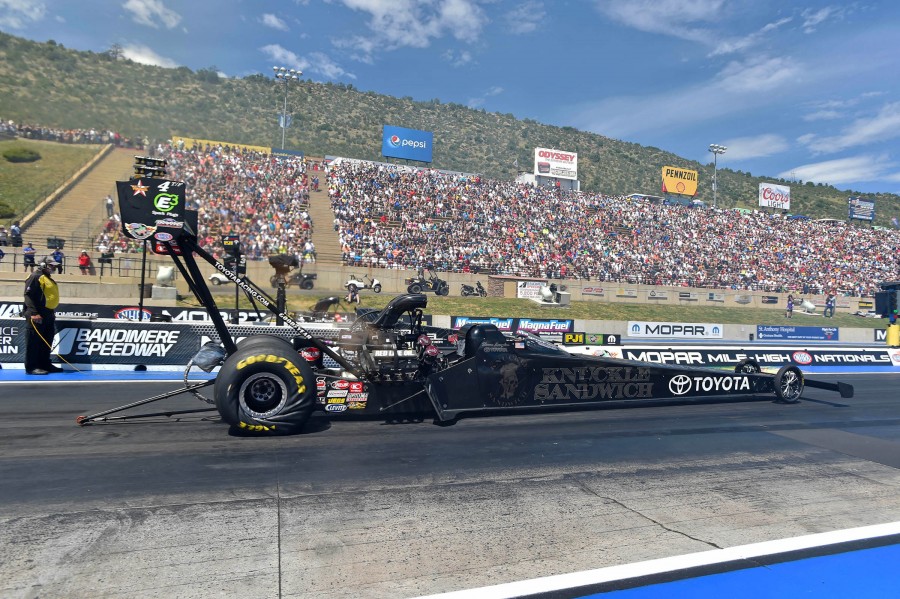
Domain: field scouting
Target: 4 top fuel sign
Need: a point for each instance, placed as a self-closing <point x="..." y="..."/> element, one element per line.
<point x="149" y="204"/>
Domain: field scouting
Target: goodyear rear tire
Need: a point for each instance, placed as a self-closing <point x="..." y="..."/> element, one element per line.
<point x="265" y="388"/>
<point x="265" y="340"/>
<point x="788" y="384"/>
<point x="747" y="366"/>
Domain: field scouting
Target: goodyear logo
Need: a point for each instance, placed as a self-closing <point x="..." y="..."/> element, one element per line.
<point x="268" y="359"/>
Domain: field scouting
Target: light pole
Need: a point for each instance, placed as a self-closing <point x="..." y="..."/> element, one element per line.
<point x="285" y="76"/>
<point x="716" y="149"/>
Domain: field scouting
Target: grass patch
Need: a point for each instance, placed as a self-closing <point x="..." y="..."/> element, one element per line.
<point x="26" y="184"/>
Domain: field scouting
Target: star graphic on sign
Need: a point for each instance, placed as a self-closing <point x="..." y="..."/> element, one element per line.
<point x="140" y="188"/>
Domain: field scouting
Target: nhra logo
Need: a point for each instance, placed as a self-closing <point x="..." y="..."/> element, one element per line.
<point x="132" y="314"/>
<point x="802" y="358"/>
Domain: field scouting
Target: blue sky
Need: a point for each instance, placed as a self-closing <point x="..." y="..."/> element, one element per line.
<point x="802" y="90"/>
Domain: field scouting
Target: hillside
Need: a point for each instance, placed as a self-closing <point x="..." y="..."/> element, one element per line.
<point x="46" y="84"/>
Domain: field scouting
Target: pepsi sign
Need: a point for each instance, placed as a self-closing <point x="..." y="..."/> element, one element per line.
<point x="409" y="144"/>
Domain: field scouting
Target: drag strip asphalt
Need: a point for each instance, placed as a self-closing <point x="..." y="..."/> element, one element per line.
<point x="180" y="506"/>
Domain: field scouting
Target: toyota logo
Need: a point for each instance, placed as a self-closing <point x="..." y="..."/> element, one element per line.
<point x="680" y="384"/>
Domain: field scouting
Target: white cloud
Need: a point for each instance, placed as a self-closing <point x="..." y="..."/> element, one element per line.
<point x="666" y="17"/>
<point x="748" y="41"/>
<point x="457" y="59"/>
<point x="844" y="170"/>
<point x="317" y="62"/>
<point x="323" y="64"/>
<point x="739" y="86"/>
<point x="525" y="17"/>
<point x="495" y="90"/>
<point x="284" y="57"/>
<point x="758" y="74"/>
<point x="822" y="115"/>
<point x="16" y="14"/>
<point x="270" y="20"/>
<point x="814" y="18"/>
<point x="768" y="144"/>
<point x="409" y="23"/>
<point x="148" y="12"/>
<point x="883" y="126"/>
<point x="144" y="55"/>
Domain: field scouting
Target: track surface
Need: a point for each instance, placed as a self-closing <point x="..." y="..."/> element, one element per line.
<point x="368" y="509"/>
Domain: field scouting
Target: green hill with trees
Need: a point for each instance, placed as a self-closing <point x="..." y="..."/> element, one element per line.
<point x="47" y="84"/>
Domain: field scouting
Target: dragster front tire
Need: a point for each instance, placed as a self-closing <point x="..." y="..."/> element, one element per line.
<point x="747" y="366"/>
<point x="265" y="388"/>
<point x="788" y="384"/>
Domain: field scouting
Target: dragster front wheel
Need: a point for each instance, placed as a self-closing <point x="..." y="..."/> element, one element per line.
<point x="265" y="388"/>
<point x="747" y="366"/>
<point x="788" y="384"/>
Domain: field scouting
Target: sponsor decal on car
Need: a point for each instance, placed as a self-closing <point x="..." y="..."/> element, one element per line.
<point x="683" y="384"/>
<point x="340" y="384"/>
<point x="336" y="408"/>
<point x="356" y="387"/>
<point x="335" y="400"/>
<point x="337" y="393"/>
<point x="358" y="397"/>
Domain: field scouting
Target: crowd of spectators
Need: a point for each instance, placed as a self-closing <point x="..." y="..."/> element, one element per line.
<point x="399" y="217"/>
<point x="394" y="216"/>
<point x="263" y="197"/>
<point x="72" y="136"/>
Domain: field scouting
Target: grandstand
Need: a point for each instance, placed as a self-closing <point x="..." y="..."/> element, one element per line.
<point x="401" y="217"/>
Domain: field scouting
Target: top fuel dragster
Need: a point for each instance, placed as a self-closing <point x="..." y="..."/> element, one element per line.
<point x="389" y="363"/>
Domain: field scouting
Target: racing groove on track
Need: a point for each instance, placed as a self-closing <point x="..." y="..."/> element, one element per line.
<point x="369" y="509"/>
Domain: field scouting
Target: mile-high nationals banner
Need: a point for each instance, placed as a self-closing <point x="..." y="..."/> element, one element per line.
<point x="774" y="196"/>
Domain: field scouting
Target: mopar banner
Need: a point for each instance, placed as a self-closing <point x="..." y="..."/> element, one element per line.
<point x="860" y="208"/>
<point x="555" y="163"/>
<point x="679" y="181"/>
<point x="729" y="356"/>
<point x="774" y="196"/>
<point x="687" y="330"/>
<point x="408" y="144"/>
<point x="777" y="333"/>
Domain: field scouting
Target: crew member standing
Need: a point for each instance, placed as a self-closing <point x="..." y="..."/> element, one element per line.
<point x="41" y="300"/>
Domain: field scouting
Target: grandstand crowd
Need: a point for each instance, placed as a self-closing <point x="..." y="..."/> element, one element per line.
<point x="395" y="216"/>
<point x="71" y="136"/>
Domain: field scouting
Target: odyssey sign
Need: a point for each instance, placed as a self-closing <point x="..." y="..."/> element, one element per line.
<point x="555" y="163"/>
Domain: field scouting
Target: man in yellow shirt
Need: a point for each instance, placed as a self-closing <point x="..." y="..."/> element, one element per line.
<point x="41" y="300"/>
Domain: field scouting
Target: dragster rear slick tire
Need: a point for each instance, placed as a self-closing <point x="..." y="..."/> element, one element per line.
<point x="789" y="384"/>
<point x="265" y="388"/>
